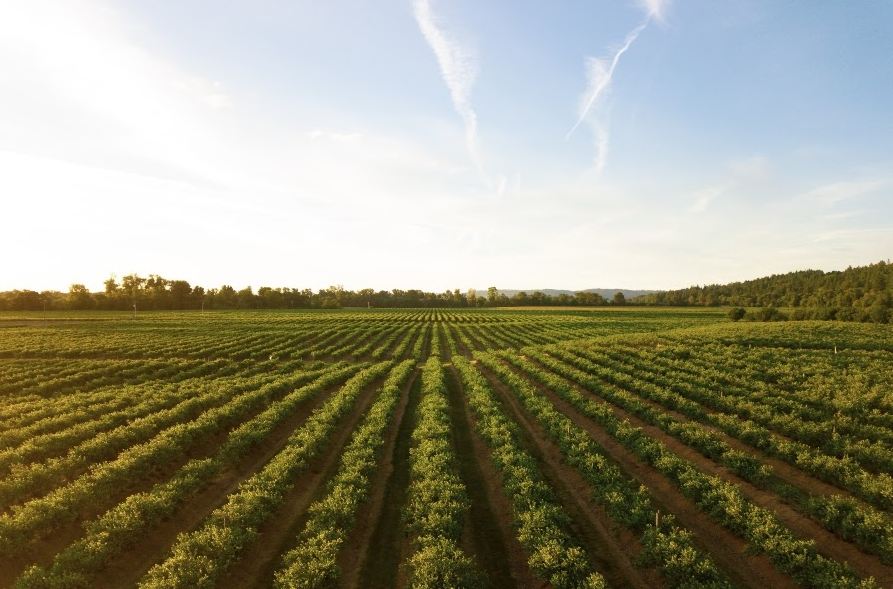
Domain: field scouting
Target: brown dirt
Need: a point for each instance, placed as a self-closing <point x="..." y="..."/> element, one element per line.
<point x="385" y="545"/>
<point x="727" y="550"/>
<point x="130" y="566"/>
<point x="354" y="556"/>
<point x="802" y="525"/>
<point x="782" y="469"/>
<point x="43" y="551"/>
<point x="256" y="565"/>
<point x="460" y="345"/>
<point x="488" y="533"/>
<point x="612" y="549"/>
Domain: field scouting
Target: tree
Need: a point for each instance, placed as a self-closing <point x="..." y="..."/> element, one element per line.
<point x="79" y="297"/>
<point x="179" y="294"/>
<point x="878" y="313"/>
<point x="619" y="299"/>
<point x="226" y="298"/>
<point x="246" y="298"/>
<point x="736" y="313"/>
<point x="492" y="295"/>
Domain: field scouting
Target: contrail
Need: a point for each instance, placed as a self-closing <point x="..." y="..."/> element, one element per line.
<point x="600" y="73"/>
<point x="459" y="69"/>
<point x="600" y="77"/>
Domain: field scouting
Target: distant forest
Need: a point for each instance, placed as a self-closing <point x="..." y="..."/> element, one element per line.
<point x="863" y="293"/>
<point x="158" y="293"/>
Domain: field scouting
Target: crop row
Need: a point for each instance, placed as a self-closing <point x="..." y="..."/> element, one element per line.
<point x="123" y="526"/>
<point x="663" y="542"/>
<point x="871" y="529"/>
<point x="313" y="562"/>
<point x="542" y="524"/>
<point x="719" y="499"/>
<point x="436" y="497"/>
<point x="719" y="411"/>
<point x="40" y="516"/>
<point x="867" y="445"/>
<point x="199" y="557"/>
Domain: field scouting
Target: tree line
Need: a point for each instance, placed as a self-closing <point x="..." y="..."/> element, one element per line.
<point x="862" y="293"/>
<point x="158" y="293"/>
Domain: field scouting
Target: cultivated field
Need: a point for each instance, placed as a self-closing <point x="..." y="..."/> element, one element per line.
<point x="434" y="448"/>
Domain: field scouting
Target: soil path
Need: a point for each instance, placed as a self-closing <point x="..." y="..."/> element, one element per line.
<point x="727" y="550"/>
<point x="488" y="531"/>
<point x="802" y="525"/>
<point x="256" y="565"/>
<point x="385" y="543"/>
<point x="129" y="567"/>
<point x="377" y="514"/>
<point x="612" y="549"/>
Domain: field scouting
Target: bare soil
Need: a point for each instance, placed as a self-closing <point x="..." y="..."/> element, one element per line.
<point x="612" y="549"/>
<point x="376" y="520"/>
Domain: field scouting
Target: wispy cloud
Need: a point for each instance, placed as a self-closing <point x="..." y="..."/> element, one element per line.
<point x="459" y="68"/>
<point x="704" y="198"/>
<point x="654" y="8"/>
<point x="600" y="73"/>
<point x="836" y="192"/>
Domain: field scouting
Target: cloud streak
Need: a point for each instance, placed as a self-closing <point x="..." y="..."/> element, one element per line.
<point x="600" y="73"/>
<point x="459" y="69"/>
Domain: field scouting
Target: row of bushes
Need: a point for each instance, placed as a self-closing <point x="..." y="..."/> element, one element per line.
<point x="199" y="558"/>
<point x="123" y="526"/>
<point x="313" y="562"/>
<point x="873" y="314"/>
<point x="542" y="525"/>
<point x="743" y="420"/>
<point x="436" y="499"/>
<point x="819" y="426"/>
<point x="38" y="517"/>
<point x="724" y="503"/>
<point x="663" y="542"/>
<point x="871" y="529"/>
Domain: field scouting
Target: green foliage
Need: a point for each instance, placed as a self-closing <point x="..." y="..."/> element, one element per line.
<point x="736" y="313"/>
<point x="436" y="498"/>
<point x="625" y="501"/>
<point x="863" y="293"/>
<point x="199" y="558"/>
<point x="541" y="523"/>
<point x="313" y="562"/>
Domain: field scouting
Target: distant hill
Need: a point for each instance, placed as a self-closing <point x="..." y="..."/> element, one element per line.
<point x="859" y="288"/>
<point x="607" y="293"/>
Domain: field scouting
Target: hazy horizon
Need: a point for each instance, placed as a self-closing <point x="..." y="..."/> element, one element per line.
<point x="434" y="145"/>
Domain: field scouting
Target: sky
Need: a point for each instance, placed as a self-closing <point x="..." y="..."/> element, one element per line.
<point x="442" y="144"/>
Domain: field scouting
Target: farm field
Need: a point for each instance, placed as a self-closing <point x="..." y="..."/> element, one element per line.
<point x="630" y="447"/>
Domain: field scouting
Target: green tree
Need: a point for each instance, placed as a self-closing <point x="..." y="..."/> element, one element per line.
<point x="736" y="313"/>
<point x="619" y="299"/>
<point x="492" y="296"/>
<point x="79" y="297"/>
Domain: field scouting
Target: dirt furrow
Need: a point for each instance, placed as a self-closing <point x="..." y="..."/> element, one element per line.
<point x="727" y="550"/>
<point x="385" y="544"/>
<point x="612" y="549"/>
<point x="488" y="530"/>
<point x="128" y="568"/>
<point x="802" y="525"/>
<point x="376" y="512"/>
<point x="256" y="565"/>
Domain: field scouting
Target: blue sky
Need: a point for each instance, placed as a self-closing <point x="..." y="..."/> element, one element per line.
<point x="433" y="144"/>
